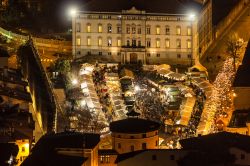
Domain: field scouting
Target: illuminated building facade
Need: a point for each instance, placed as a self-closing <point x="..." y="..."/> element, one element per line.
<point x="135" y="34"/>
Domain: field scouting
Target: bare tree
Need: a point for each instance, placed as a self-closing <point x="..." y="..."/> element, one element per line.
<point x="234" y="44"/>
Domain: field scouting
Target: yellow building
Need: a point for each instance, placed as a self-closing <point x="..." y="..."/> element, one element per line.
<point x="133" y="134"/>
<point x="23" y="150"/>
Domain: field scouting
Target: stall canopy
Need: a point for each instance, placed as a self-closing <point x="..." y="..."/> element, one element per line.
<point x="125" y="73"/>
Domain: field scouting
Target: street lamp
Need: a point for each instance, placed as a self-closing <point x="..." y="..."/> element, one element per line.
<point x="74" y="81"/>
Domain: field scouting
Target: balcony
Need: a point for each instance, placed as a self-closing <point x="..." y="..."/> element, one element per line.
<point x="133" y="48"/>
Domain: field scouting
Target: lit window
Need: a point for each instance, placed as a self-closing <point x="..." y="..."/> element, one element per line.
<point x="189" y="31"/>
<point x="178" y="30"/>
<point x="158" y="44"/>
<point x="88" y="28"/>
<point x="99" y="41"/>
<point x="119" y="43"/>
<point x="109" y="28"/>
<point x="109" y="42"/>
<point x="148" y="30"/>
<point x="178" y="43"/>
<point x="78" y="41"/>
<point x="167" y="30"/>
<point x="128" y="29"/>
<point x="78" y="27"/>
<point x="189" y="44"/>
<point x="167" y="43"/>
<point x="88" y="41"/>
<point x="148" y="42"/>
<point x="99" y="28"/>
<point x="158" y="30"/>
<point x="119" y="29"/>
<point x="139" y="30"/>
<point x="133" y="30"/>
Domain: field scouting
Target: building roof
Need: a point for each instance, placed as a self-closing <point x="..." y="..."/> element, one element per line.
<point x="217" y="142"/>
<point x="133" y="125"/>
<point x="242" y="78"/>
<point x="45" y="150"/>
<point x="156" y="6"/>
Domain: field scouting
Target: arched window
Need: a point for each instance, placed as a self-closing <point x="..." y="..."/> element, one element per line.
<point x="99" y="28"/>
<point x="88" y="27"/>
<point x="178" y="30"/>
<point x="109" y="28"/>
<point x="167" y="30"/>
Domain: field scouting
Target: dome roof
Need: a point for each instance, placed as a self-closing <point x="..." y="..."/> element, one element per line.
<point x="133" y="125"/>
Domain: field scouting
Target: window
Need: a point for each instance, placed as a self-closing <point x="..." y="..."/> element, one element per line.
<point x="156" y="143"/>
<point x="133" y="30"/>
<point x="144" y="146"/>
<point x="99" y="41"/>
<point x="88" y="28"/>
<point x="154" y="157"/>
<point x="128" y="29"/>
<point x="172" y="157"/>
<point x="144" y="135"/>
<point x="119" y="42"/>
<point x="78" y="41"/>
<point x="118" y="53"/>
<point x="88" y="53"/>
<point x="132" y="148"/>
<point x="119" y="29"/>
<point x="128" y="42"/>
<point x="158" y="44"/>
<point x="167" y="43"/>
<point x="178" y="43"/>
<point x="148" y="30"/>
<point x="189" y="44"/>
<point x="189" y="56"/>
<point x="158" y="55"/>
<point x="139" y="43"/>
<point x="23" y="149"/>
<point x="100" y="28"/>
<point x="133" y="42"/>
<point x="109" y="28"/>
<point x="109" y="42"/>
<point x="88" y="41"/>
<point x="189" y="31"/>
<point x="78" y="27"/>
<point x="178" y="30"/>
<point x="119" y="146"/>
<point x="139" y="30"/>
<point x="79" y="52"/>
<point x="132" y="137"/>
<point x="178" y="55"/>
<point x="148" y="43"/>
<point x="167" y="30"/>
<point x="100" y="53"/>
<point x="109" y="53"/>
<point x="105" y="159"/>
<point x="148" y="54"/>
<point x="158" y="30"/>
<point x="119" y="136"/>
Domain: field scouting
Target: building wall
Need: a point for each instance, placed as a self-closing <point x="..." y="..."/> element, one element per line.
<point x="241" y="101"/>
<point x="3" y="62"/>
<point x="154" y="157"/>
<point x="122" y="142"/>
<point x="23" y="150"/>
<point x="92" y="155"/>
<point x="107" y="160"/>
<point x="139" y="20"/>
<point x="242" y="157"/>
